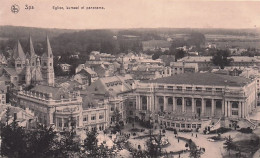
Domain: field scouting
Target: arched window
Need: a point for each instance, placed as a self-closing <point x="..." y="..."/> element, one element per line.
<point x="235" y="105"/>
<point x="161" y="101"/>
<point x="170" y="100"/>
<point x="208" y="103"/>
<point x="144" y="100"/>
<point x="179" y="101"/>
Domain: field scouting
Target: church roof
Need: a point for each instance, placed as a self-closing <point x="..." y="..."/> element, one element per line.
<point x="18" y="51"/>
<point x="203" y="79"/>
<point x="11" y="71"/>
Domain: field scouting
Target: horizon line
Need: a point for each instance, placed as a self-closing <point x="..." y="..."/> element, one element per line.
<point x="123" y="28"/>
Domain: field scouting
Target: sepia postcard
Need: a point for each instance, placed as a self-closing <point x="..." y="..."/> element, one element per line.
<point x="129" y="78"/>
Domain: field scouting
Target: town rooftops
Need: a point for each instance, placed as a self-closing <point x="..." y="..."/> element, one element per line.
<point x="56" y="92"/>
<point x="203" y="79"/>
<point x="196" y="59"/>
<point x="208" y="59"/>
<point x="111" y="85"/>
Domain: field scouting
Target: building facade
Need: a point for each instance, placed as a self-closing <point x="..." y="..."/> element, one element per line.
<point x="197" y="95"/>
<point x="52" y="105"/>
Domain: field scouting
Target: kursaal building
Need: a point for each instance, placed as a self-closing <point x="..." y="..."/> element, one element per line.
<point x="187" y="100"/>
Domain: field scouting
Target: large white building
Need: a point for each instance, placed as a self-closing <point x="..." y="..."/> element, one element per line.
<point x="197" y="95"/>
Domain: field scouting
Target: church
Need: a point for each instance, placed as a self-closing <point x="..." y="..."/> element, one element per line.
<point x="28" y="68"/>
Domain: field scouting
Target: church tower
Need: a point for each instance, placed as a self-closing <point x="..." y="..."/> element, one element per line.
<point x="28" y="75"/>
<point x="47" y="64"/>
<point x="31" y="53"/>
<point x="19" y="58"/>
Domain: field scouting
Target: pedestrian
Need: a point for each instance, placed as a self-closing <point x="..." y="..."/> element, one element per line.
<point x="196" y="135"/>
<point x="178" y="140"/>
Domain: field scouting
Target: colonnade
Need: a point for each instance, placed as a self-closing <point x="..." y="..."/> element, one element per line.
<point x="193" y="106"/>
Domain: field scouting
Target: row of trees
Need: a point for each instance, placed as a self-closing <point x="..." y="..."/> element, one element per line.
<point x="43" y="141"/>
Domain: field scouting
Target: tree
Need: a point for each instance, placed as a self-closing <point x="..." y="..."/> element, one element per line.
<point x="117" y="118"/>
<point x="154" y="144"/>
<point x="195" y="153"/>
<point x="221" y="58"/>
<point x="90" y="143"/>
<point x="179" y="53"/>
<point x="69" y="144"/>
<point x="228" y="144"/>
<point x="41" y="142"/>
<point x="13" y="139"/>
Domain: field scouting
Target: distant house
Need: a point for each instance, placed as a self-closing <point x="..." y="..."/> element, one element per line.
<point x="24" y="118"/>
<point x="153" y="45"/>
<point x="86" y="76"/>
<point x="65" y="67"/>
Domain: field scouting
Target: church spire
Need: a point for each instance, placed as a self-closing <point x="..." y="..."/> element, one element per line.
<point x="31" y="48"/>
<point x="18" y="51"/>
<point x="48" y="51"/>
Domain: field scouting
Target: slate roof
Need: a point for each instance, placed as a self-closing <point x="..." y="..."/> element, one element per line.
<point x="111" y="85"/>
<point x="204" y="79"/>
<point x="11" y="71"/>
<point x="55" y="91"/>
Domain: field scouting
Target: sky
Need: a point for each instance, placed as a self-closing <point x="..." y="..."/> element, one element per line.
<point x="132" y="14"/>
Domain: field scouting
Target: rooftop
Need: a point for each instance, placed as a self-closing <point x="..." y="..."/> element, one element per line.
<point x="204" y="79"/>
<point x="56" y="92"/>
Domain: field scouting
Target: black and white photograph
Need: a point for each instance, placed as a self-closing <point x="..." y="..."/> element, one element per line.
<point x="129" y="79"/>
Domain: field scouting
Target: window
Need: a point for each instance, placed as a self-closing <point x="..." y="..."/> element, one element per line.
<point x="101" y="116"/>
<point x="131" y="112"/>
<point x="161" y="87"/>
<point x="198" y="125"/>
<point x="130" y="104"/>
<point x="173" y="124"/>
<point x="177" y="125"/>
<point x="85" y="118"/>
<point x="198" y="88"/>
<point x="112" y="108"/>
<point x="44" y="64"/>
<point x="188" y="88"/>
<point x="93" y="117"/>
<point x="66" y="122"/>
<point x="18" y="65"/>
<point x="179" y="88"/>
<point x="168" y="123"/>
<point x="234" y="112"/>
<point x="188" y="126"/>
<point x="208" y="89"/>
<point x="59" y="122"/>
<point x="235" y="105"/>
<point x="182" y="125"/>
<point x="170" y="87"/>
<point x="50" y="64"/>
<point x="193" y="125"/>
<point x="219" y="89"/>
